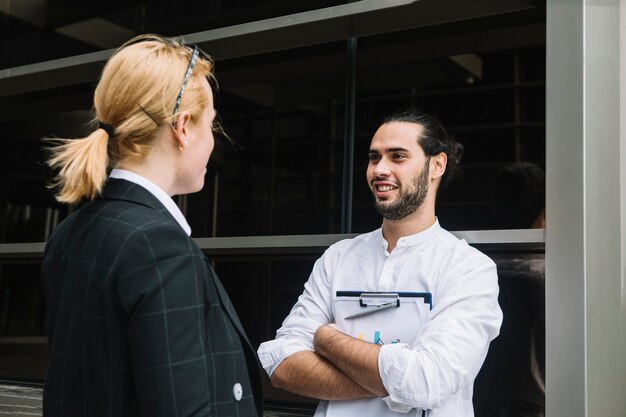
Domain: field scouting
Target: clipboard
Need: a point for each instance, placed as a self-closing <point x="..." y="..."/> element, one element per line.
<point x="382" y="317"/>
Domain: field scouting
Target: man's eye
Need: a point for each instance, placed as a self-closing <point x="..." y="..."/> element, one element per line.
<point x="398" y="156"/>
<point x="374" y="158"/>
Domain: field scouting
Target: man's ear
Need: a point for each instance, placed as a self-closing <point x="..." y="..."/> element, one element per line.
<point x="438" y="165"/>
<point x="181" y="129"/>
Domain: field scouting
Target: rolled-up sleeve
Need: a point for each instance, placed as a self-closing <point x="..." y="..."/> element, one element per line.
<point x="452" y="345"/>
<point x="312" y="310"/>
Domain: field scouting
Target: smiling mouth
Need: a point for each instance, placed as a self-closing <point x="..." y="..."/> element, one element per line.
<point x="385" y="187"/>
<point x="382" y="188"/>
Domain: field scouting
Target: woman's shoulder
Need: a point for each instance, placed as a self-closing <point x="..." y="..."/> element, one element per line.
<point x="125" y="215"/>
<point x="118" y="223"/>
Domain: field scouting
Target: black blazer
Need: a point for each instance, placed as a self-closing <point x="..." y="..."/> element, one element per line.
<point x="138" y="323"/>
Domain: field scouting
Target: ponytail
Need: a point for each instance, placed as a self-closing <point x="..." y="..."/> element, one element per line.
<point x="135" y="96"/>
<point x="82" y="165"/>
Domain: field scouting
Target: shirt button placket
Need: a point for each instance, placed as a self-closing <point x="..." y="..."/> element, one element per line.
<point x="386" y="278"/>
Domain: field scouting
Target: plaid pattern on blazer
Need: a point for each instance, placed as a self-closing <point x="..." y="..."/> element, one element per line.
<point x="138" y="322"/>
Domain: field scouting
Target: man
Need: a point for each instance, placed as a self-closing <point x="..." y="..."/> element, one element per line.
<point x="438" y="351"/>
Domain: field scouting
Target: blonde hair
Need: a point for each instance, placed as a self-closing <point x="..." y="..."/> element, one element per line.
<point x="136" y="96"/>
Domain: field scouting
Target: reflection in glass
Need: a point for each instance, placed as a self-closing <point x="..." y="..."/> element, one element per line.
<point x="45" y="30"/>
<point x="512" y="379"/>
<point x="283" y="174"/>
<point x="491" y="100"/>
<point x="264" y="288"/>
<point x="23" y="347"/>
<point x="28" y="212"/>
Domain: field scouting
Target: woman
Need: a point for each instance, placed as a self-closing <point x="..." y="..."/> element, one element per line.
<point x="138" y="323"/>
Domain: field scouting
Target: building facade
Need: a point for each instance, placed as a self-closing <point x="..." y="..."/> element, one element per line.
<point x="303" y="85"/>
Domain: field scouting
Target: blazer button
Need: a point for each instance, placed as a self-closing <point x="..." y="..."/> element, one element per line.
<point x="237" y="391"/>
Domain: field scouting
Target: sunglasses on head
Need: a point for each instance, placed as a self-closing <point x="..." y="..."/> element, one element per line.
<point x="195" y="54"/>
<point x="192" y="63"/>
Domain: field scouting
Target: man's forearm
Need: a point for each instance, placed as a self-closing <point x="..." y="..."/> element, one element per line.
<point x="356" y="358"/>
<point x="307" y="373"/>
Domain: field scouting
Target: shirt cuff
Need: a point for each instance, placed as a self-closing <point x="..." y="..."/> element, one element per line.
<point x="387" y="358"/>
<point x="397" y="407"/>
<point x="274" y="352"/>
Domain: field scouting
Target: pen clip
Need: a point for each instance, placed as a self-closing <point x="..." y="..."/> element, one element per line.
<point x="372" y="310"/>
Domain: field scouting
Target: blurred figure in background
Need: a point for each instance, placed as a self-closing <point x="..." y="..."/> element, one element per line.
<point x="519" y="197"/>
<point x="512" y="380"/>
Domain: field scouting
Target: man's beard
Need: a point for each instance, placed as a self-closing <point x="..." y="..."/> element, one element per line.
<point x="409" y="200"/>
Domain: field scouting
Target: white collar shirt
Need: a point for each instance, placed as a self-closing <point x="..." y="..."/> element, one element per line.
<point x="157" y="192"/>
<point x="436" y="372"/>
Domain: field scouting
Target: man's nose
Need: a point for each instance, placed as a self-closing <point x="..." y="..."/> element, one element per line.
<point x="382" y="168"/>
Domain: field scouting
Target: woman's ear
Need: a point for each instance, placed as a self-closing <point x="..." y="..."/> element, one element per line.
<point x="181" y="129"/>
<point x="438" y="165"/>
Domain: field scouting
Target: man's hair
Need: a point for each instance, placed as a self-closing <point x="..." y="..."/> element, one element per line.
<point x="519" y="195"/>
<point x="434" y="140"/>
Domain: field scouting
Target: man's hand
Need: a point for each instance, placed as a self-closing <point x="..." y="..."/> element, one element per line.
<point x="355" y="358"/>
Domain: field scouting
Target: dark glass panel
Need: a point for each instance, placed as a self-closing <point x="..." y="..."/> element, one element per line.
<point x="54" y="29"/>
<point x="534" y="141"/>
<point x="512" y="377"/>
<point x="485" y="145"/>
<point x="263" y="288"/>
<point x="283" y="176"/>
<point x="533" y="98"/>
<point x="28" y="211"/>
<point x="23" y="349"/>
<point x="533" y="64"/>
<point x="22" y="295"/>
<point x="490" y="99"/>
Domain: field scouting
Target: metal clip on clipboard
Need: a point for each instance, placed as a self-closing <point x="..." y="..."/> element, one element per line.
<point x="374" y="303"/>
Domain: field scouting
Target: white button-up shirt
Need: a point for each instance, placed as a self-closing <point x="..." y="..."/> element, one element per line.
<point x="436" y="372"/>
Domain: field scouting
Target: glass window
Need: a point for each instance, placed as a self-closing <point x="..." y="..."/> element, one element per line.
<point x="28" y="211"/>
<point x="286" y="113"/>
<point x="23" y="346"/>
<point x="513" y="374"/>
<point x="264" y="298"/>
<point x="55" y="29"/>
<point x="489" y="98"/>
<point x="283" y="175"/>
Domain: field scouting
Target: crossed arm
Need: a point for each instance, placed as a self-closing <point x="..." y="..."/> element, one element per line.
<point x="340" y="368"/>
<point x="330" y="365"/>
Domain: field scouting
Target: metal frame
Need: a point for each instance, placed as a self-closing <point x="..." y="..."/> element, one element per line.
<point x="254" y="38"/>
<point x="523" y="238"/>
<point x="585" y="239"/>
<point x="348" y="138"/>
<point x="357" y="19"/>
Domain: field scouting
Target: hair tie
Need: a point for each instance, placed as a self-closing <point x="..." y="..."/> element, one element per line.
<point x="107" y="128"/>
